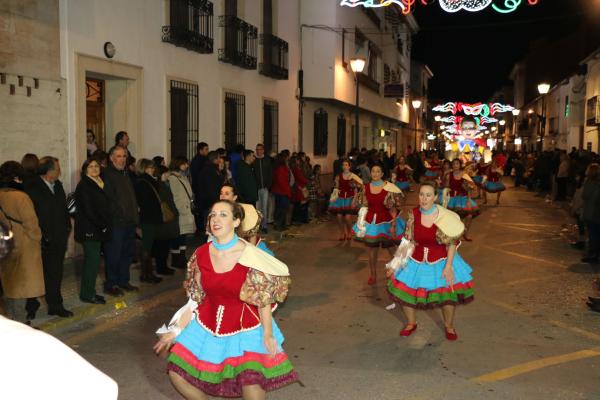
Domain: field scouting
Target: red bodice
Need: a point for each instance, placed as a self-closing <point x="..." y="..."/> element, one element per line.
<point x="435" y="166"/>
<point x="457" y="187"/>
<point x="345" y="187"/>
<point x="377" y="208"/>
<point x="427" y="248"/>
<point x="222" y="313"/>
<point x="482" y="169"/>
<point x="493" y="176"/>
<point x="401" y="175"/>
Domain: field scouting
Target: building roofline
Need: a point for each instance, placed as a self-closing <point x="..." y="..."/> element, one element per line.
<point x="595" y="55"/>
<point x="351" y="107"/>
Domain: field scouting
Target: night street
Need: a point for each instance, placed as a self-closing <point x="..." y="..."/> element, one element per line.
<point x="528" y="334"/>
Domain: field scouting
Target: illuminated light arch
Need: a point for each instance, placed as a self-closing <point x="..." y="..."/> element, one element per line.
<point x="372" y="3"/>
<point x="450" y="6"/>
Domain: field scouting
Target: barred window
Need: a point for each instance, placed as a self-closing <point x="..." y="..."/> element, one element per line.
<point x="190" y="25"/>
<point x="184" y="119"/>
<point x="271" y="126"/>
<point x="320" y="136"/>
<point x="341" y="135"/>
<point x="235" y="120"/>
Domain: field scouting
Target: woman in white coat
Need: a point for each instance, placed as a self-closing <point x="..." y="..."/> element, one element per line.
<point x="184" y="201"/>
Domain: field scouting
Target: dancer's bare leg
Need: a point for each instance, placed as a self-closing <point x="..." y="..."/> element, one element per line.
<point x="411" y="316"/>
<point x="253" y="392"/>
<point x="373" y="253"/>
<point x="448" y="314"/>
<point x="341" y="225"/>
<point x="186" y="389"/>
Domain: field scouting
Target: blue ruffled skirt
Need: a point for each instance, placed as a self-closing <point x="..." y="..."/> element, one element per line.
<point x="216" y="349"/>
<point x="431" y="174"/>
<point x="463" y="206"/>
<point x="341" y="205"/>
<point x="263" y="246"/>
<point x="403" y="185"/>
<point x="477" y="179"/>
<point x="494" y="187"/>
<point x="381" y="234"/>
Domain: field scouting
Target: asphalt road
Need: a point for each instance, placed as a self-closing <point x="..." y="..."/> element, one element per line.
<point x="527" y="335"/>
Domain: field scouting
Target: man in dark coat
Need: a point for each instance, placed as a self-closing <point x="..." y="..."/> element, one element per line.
<point x="120" y="249"/>
<point x="246" y="182"/>
<point x="50" y="202"/>
<point x="198" y="162"/>
<point x="209" y="185"/>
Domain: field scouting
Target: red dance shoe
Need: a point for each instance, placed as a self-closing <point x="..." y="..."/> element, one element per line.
<point x="408" y="331"/>
<point x="371" y="280"/>
<point x="451" y="336"/>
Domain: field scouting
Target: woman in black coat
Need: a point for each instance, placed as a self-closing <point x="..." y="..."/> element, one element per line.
<point x="147" y="190"/>
<point x="92" y="226"/>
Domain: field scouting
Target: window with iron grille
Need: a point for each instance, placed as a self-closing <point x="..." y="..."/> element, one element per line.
<point x="341" y="135"/>
<point x="320" y="135"/>
<point x="240" y="39"/>
<point x="184" y="118"/>
<point x="190" y="25"/>
<point x="235" y="120"/>
<point x="271" y="126"/>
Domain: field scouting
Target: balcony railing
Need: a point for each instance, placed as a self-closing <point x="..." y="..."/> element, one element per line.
<point x="191" y="25"/>
<point x="274" y="57"/>
<point x="240" y="40"/>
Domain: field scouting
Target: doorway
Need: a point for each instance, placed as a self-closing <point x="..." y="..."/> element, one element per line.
<point x="96" y="111"/>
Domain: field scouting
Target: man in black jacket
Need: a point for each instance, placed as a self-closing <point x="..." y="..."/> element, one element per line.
<point x="198" y="162"/>
<point x="48" y="197"/>
<point x="246" y="182"/>
<point x="120" y="249"/>
<point x="263" y="173"/>
<point x="208" y="186"/>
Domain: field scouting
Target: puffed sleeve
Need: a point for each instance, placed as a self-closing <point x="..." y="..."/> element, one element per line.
<point x="192" y="281"/>
<point x="442" y="238"/>
<point x="393" y="200"/>
<point x="262" y="289"/>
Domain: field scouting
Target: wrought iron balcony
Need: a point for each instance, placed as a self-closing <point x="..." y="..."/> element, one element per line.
<point x="240" y="40"/>
<point x="191" y="25"/>
<point x="274" y="57"/>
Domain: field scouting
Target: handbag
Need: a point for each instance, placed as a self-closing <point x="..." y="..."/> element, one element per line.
<point x="6" y="234"/>
<point x="167" y="214"/>
<point x="191" y="199"/>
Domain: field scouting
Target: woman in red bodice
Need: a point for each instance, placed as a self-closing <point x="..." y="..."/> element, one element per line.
<point x="224" y="341"/>
<point x="343" y="199"/>
<point x="460" y="183"/>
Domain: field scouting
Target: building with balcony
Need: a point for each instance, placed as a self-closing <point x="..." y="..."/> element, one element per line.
<point x="169" y="72"/>
<point x="591" y="119"/>
<point x="331" y="36"/>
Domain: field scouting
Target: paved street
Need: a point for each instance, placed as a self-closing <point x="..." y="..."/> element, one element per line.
<point x="528" y="335"/>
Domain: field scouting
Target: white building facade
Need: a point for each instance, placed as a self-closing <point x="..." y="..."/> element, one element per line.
<point x="591" y="134"/>
<point x="331" y="35"/>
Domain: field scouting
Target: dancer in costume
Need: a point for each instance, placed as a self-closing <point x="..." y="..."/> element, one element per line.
<point x="427" y="271"/>
<point x="480" y="172"/>
<point x="493" y="182"/>
<point x="343" y="201"/>
<point x="379" y="223"/>
<point x="434" y="167"/>
<point x="402" y="174"/>
<point x="443" y="181"/>
<point x="460" y="183"/>
<point x="224" y="341"/>
<point x="250" y="230"/>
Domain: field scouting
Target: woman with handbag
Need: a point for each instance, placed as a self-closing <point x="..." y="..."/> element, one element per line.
<point x="22" y="273"/>
<point x="92" y="226"/>
<point x="184" y="202"/>
<point x="427" y="271"/>
<point x="151" y="216"/>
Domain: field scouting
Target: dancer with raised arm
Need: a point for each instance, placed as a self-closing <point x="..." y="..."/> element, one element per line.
<point x="402" y="174"/>
<point x="460" y="202"/>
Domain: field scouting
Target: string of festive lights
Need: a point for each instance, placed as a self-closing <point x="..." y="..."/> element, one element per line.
<point x="483" y="109"/>
<point x="450" y="6"/>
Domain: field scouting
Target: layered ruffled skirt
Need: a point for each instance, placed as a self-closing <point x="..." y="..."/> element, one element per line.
<point x="494" y="187"/>
<point x="463" y="206"/>
<point x="221" y="366"/>
<point x="432" y="174"/>
<point x="403" y="185"/>
<point x="263" y="246"/>
<point x="342" y="206"/>
<point x="421" y="284"/>
<point x="478" y="179"/>
<point x="381" y="234"/>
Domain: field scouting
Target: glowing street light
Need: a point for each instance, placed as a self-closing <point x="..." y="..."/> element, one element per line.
<point x="530" y="111"/>
<point x="438" y="118"/>
<point x="416" y="104"/>
<point x="502" y="122"/>
<point x="516" y="112"/>
<point x="357" y="64"/>
<point x="543" y="88"/>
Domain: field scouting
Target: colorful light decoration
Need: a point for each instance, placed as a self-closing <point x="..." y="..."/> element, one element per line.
<point x="450" y="6"/>
<point x="476" y="109"/>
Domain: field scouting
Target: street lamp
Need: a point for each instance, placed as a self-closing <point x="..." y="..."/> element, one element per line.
<point x="438" y="118"/>
<point x="543" y="89"/>
<point x="416" y="105"/>
<point x="502" y="122"/>
<point x="515" y="114"/>
<point x="357" y="65"/>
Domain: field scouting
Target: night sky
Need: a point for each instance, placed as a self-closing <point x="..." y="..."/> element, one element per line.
<point x="472" y="54"/>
